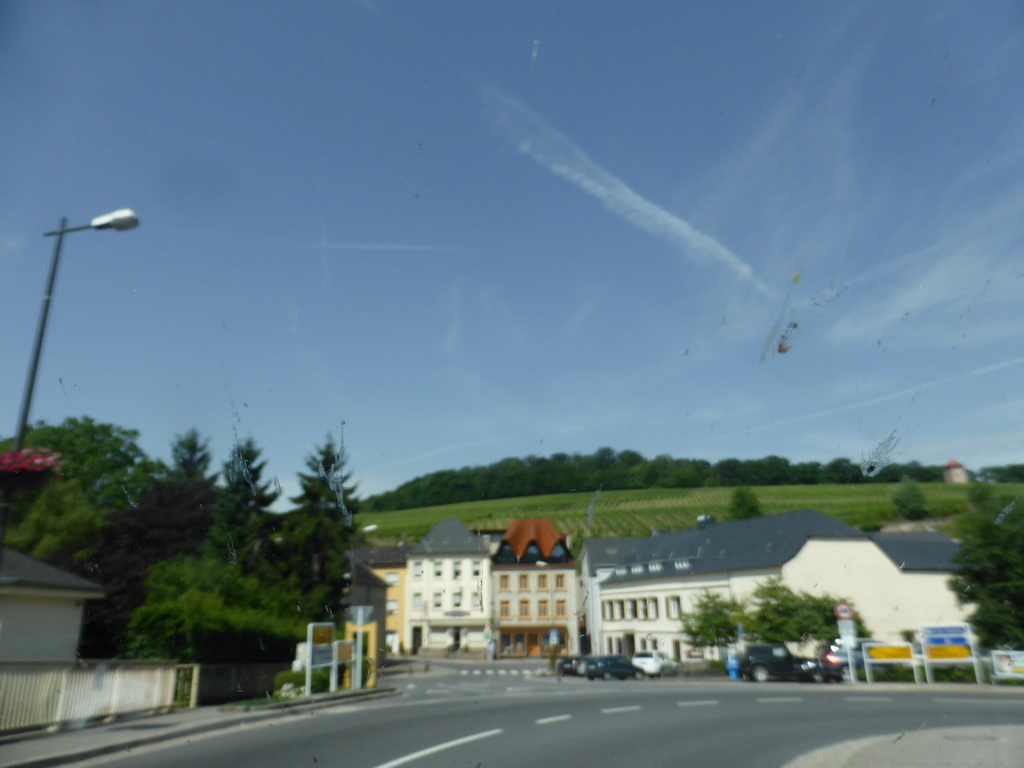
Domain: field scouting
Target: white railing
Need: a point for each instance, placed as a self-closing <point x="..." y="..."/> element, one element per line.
<point x="68" y="694"/>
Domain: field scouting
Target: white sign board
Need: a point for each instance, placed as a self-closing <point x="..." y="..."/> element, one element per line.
<point x="319" y="650"/>
<point x="1007" y="665"/>
<point x="948" y="644"/>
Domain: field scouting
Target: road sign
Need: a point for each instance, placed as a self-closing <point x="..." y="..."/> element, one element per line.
<point x="843" y="611"/>
<point x="944" y="644"/>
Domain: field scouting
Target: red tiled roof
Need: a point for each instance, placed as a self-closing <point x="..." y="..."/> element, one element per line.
<point x="953" y="463"/>
<point x="540" y="530"/>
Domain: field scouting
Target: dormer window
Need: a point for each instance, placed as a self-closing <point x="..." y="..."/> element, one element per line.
<point x="682" y="565"/>
<point x="638" y="569"/>
<point x="620" y="570"/>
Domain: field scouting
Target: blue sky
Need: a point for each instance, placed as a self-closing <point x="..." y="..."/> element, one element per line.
<point x="477" y="230"/>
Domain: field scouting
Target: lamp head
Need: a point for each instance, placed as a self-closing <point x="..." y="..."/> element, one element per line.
<point x="119" y="220"/>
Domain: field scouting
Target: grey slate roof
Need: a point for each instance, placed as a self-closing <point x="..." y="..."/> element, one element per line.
<point x="604" y="553"/>
<point x="760" y="542"/>
<point x="918" y="551"/>
<point x="450" y="537"/>
<point x="19" y="570"/>
<point x="375" y="555"/>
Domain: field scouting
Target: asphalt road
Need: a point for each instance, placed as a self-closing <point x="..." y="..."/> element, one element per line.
<point x="453" y="719"/>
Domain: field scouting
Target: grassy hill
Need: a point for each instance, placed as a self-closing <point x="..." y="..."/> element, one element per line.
<point x="634" y="513"/>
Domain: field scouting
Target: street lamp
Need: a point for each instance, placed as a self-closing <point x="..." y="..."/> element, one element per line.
<point x="120" y="220"/>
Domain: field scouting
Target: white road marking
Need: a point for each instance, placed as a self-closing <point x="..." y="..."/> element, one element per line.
<point x="554" y="719"/>
<point x="463" y="672"/>
<point x="867" y="698"/>
<point x="977" y="701"/>
<point x="704" y="703"/>
<point x="778" y="699"/>
<point x="610" y="710"/>
<point x="438" y="748"/>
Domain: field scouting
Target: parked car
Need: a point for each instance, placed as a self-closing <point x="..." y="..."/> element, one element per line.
<point x="834" y="662"/>
<point x="612" y="666"/>
<point x="655" y="664"/>
<point x="569" y="665"/>
<point x="767" y="661"/>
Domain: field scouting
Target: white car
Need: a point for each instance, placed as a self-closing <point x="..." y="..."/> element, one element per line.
<point x="655" y="664"/>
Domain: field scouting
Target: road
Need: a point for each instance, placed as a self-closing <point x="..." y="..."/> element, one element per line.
<point x="454" y="717"/>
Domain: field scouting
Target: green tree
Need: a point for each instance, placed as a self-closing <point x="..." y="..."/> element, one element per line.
<point x="318" y="536"/>
<point x="780" y="615"/>
<point x="113" y="472"/>
<point x="210" y="612"/>
<point x="989" y="572"/>
<point x="240" y="531"/>
<point x="60" y="526"/>
<point x="743" y="504"/>
<point x="714" y="620"/>
<point x="908" y="498"/>
<point x="190" y="453"/>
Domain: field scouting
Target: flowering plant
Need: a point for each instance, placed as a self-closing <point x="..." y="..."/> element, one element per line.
<point x="31" y="460"/>
<point x="28" y="469"/>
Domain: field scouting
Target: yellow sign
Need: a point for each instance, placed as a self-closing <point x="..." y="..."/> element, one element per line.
<point x="886" y="652"/>
<point x="345" y="651"/>
<point x="948" y="651"/>
<point x="323" y="635"/>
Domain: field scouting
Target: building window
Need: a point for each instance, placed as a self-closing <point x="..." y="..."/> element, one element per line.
<point x="620" y="610"/>
<point x="642" y="607"/>
<point x="503" y="582"/>
<point x="560" y="609"/>
<point x="457" y="569"/>
<point x="674" y="607"/>
<point x="631" y="609"/>
<point x="524" y="609"/>
<point x="478" y="601"/>
<point x="417" y="602"/>
<point x="524" y="582"/>
<point x="542" y="581"/>
<point x="559" y="581"/>
<point x="505" y="608"/>
<point x="542" y="609"/>
<point x="438" y="570"/>
<point x="476" y="570"/>
<point x="392" y="607"/>
<point x="417" y="569"/>
<point x="606" y="610"/>
<point x="457" y="599"/>
<point x="437" y="599"/>
<point x="652" y="608"/>
<point x="391" y="579"/>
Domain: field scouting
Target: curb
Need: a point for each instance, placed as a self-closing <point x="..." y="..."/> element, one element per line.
<point x="249" y="715"/>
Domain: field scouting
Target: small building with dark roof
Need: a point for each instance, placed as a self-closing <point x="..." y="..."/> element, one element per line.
<point x="40" y="609"/>
<point x="388" y="565"/>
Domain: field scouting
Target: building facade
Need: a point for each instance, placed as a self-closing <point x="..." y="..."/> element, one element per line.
<point x="535" y="591"/>
<point x="896" y="581"/>
<point x="448" y="593"/>
<point x="389" y="565"/>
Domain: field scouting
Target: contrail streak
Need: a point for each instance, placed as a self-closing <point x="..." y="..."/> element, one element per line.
<point x="532" y="136"/>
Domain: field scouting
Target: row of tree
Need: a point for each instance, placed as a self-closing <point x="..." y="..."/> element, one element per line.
<point x="193" y="563"/>
<point x="611" y="470"/>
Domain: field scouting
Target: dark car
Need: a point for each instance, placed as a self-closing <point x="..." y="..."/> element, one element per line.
<point x="612" y="666"/>
<point x="834" y="662"/>
<point x="773" y="661"/>
<point x="569" y="665"/>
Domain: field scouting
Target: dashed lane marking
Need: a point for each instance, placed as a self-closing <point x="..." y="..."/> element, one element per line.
<point x="553" y="719"/>
<point x="612" y="710"/>
<point x="703" y="703"/>
<point x="779" y="699"/>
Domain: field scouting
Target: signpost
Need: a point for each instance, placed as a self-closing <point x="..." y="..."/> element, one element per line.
<point x="359" y="615"/>
<point x="948" y="644"/>
<point x="1007" y="665"/>
<point x="319" y="642"/>
<point x="848" y="633"/>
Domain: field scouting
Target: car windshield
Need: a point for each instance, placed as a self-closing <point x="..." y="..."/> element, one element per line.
<point x="515" y="330"/>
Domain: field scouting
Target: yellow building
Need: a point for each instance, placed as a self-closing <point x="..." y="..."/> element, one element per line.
<point x="389" y="565"/>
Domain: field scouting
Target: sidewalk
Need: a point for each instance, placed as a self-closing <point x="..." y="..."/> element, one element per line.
<point x="993" y="746"/>
<point x="41" y="750"/>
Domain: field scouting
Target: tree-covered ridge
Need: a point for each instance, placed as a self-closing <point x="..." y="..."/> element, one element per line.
<point x="624" y="470"/>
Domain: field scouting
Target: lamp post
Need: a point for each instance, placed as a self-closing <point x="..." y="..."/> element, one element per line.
<point x="119" y="220"/>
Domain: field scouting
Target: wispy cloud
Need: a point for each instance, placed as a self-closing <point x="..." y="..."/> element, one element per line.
<point x="532" y="136"/>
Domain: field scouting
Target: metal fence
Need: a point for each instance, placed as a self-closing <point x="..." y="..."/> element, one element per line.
<point x="36" y="695"/>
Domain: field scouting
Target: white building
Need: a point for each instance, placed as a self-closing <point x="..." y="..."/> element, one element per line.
<point x="40" y="609"/>
<point x="448" y="592"/>
<point x="896" y="581"/>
